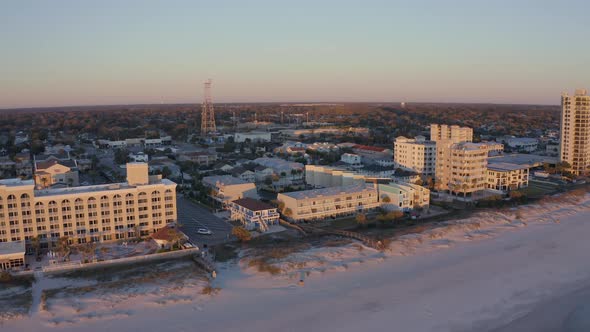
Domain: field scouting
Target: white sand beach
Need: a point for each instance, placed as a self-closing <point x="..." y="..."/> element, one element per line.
<point x="495" y="271"/>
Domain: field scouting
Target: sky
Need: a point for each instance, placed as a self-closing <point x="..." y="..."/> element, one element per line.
<point x="60" y="53"/>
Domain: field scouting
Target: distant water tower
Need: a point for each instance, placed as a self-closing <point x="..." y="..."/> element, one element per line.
<point x="402" y="104"/>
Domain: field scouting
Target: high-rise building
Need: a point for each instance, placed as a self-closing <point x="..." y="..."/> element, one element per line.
<point x="418" y="155"/>
<point x="575" y="131"/>
<point x="445" y="137"/>
<point x="207" y="112"/>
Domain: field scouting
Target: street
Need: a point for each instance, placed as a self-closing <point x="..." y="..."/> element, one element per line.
<point x="192" y="216"/>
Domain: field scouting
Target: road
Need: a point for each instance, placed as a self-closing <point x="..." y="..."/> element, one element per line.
<point x="193" y="216"/>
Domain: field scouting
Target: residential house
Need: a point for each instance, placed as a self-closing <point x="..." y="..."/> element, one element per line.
<point x="254" y="214"/>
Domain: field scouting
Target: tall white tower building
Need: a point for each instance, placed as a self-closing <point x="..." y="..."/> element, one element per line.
<point x="575" y="131"/>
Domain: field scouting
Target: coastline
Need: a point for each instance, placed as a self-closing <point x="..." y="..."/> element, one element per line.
<point x="497" y="271"/>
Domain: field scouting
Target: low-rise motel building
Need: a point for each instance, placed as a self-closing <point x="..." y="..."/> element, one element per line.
<point x="254" y="214"/>
<point x="12" y="255"/>
<point x="317" y="204"/>
<point x="108" y="212"/>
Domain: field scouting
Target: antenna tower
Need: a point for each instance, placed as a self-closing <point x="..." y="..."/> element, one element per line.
<point x="207" y="112"/>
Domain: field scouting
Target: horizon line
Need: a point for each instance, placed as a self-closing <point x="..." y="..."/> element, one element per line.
<point x="274" y="102"/>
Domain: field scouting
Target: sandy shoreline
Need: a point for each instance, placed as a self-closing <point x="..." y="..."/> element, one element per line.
<point x="490" y="272"/>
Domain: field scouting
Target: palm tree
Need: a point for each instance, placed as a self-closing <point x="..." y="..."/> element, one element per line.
<point x="464" y="187"/>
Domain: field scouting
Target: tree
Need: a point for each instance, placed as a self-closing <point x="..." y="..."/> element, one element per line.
<point x="88" y="251"/>
<point x="63" y="246"/>
<point x="361" y="219"/>
<point x="430" y="182"/>
<point x="176" y="237"/>
<point x="386" y="199"/>
<point x="464" y="187"/>
<point x="288" y="212"/>
<point x="241" y="233"/>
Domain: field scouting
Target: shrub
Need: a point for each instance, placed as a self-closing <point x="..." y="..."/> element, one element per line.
<point x="5" y="276"/>
<point x="241" y="233"/>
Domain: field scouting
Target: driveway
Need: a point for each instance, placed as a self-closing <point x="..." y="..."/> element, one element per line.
<point x="193" y="216"/>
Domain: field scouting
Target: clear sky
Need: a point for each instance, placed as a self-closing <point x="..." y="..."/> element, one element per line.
<point x="75" y="52"/>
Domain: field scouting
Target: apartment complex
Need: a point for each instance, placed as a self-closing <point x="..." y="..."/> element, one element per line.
<point x="467" y="165"/>
<point x="445" y="137"/>
<point x="138" y="207"/>
<point x="324" y="177"/>
<point x="506" y="176"/>
<point x="575" y="131"/>
<point x="418" y="155"/>
<point x="319" y="204"/>
<point x="455" y="134"/>
<point x="404" y="196"/>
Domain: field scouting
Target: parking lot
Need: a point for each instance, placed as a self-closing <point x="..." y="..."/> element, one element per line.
<point x="193" y="216"/>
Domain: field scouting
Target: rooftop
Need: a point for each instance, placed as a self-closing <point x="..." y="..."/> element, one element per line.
<point x="331" y="191"/>
<point x="278" y="165"/>
<point x="167" y="234"/>
<point x="223" y="180"/>
<point x="530" y="160"/>
<point x="369" y="148"/>
<point x="48" y="163"/>
<point x="506" y="167"/>
<point x="94" y="188"/>
<point x="14" y="247"/>
<point x="253" y="204"/>
<point x="16" y="182"/>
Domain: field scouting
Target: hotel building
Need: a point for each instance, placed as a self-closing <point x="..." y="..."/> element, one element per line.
<point x="575" y="131"/>
<point x="138" y="207"/>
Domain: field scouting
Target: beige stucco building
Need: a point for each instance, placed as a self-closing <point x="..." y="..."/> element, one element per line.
<point x="575" y="131"/>
<point x="225" y="188"/>
<point x="418" y="155"/>
<point x="317" y="204"/>
<point x="504" y="177"/>
<point x="53" y="171"/>
<point x="106" y="212"/>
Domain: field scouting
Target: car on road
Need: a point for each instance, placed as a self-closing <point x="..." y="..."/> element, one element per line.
<point x="204" y="231"/>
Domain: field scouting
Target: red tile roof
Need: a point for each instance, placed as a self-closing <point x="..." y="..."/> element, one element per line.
<point x="369" y="148"/>
<point x="165" y="234"/>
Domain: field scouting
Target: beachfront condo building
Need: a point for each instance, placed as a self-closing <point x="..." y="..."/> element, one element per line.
<point x="445" y="137"/>
<point x="465" y="169"/>
<point x="317" y="204"/>
<point x="138" y="207"/>
<point x="575" y="131"/>
<point x="418" y="155"/>
<point x="403" y="196"/>
<point x="504" y="177"/>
